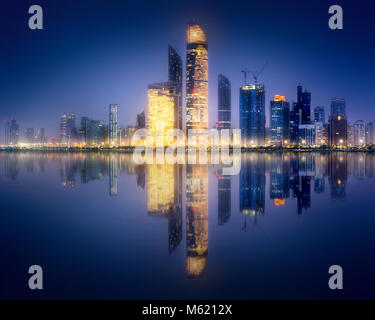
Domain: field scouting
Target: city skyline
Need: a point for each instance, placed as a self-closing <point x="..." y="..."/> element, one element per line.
<point x="280" y="77"/>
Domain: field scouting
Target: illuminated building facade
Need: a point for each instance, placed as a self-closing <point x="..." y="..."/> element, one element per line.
<point x="196" y="219"/>
<point x="196" y="78"/>
<point x="224" y="103"/>
<point x="306" y="135"/>
<point x="280" y="120"/>
<point x="338" y="124"/>
<point x="162" y="107"/>
<point x="113" y="125"/>
<point x="175" y="75"/>
<point x="63" y="129"/>
<point x="252" y="115"/>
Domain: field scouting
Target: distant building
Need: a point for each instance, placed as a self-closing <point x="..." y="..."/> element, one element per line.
<point x="304" y="105"/>
<point x="175" y="75"/>
<point x="71" y="130"/>
<point x="63" y="129"/>
<point x="359" y="133"/>
<point x="295" y="119"/>
<point x="351" y="134"/>
<point x="42" y="139"/>
<point x="29" y="136"/>
<point x="196" y="78"/>
<point x="307" y="135"/>
<point x="370" y="133"/>
<point x="12" y="132"/>
<point x="280" y="120"/>
<point x="83" y="129"/>
<point x="252" y="115"/>
<point x="338" y="124"/>
<point x="96" y="134"/>
<point x="141" y="120"/>
<point x="321" y="137"/>
<point x="319" y="114"/>
<point x="113" y="124"/>
<point x="224" y="102"/>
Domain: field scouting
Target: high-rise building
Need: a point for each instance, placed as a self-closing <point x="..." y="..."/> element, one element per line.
<point x="175" y="75"/>
<point x="294" y="123"/>
<point x="224" y="102"/>
<point x="304" y="105"/>
<point x="319" y="114"/>
<point x="42" y="136"/>
<point x="12" y="131"/>
<point x="29" y="136"/>
<point x="83" y="130"/>
<point x="71" y="131"/>
<point x="338" y="107"/>
<point x="162" y="108"/>
<point x="252" y="115"/>
<point x="63" y="129"/>
<point x="113" y="125"/>
<point x="280" y="120"/>
<point x="306" y="134"/>
<point x="370" y="133"/>
<point x="359" y="133"/>
<point x="196" y="78"/>
<point x="141" y="120"/>
<point x="96" y="133"/>
<point x="338" y="124"/>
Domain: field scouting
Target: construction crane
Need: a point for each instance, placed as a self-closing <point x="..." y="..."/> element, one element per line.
<point x="255" y="74"/>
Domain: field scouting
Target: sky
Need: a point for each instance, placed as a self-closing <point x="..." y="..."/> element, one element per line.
<point x="94" y="53"/>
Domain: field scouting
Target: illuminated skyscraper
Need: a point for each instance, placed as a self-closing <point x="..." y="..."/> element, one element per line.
<point x="113" y="125"/>
<point x="359" y="133"/>
<point x="319" y="114"/>
<point x="162" y="108"/>
<point x="196" y="78"/>
<point x="175" y="75"/>
<point x="280" y="117"/>
<point x="224" y="102"/>
<point x="252" y="115"/>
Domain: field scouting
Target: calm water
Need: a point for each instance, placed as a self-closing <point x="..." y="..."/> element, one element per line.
<point x="102" y="227"/>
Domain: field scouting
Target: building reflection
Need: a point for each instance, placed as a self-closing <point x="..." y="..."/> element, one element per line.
<point x="223" y="196"/>
<point x="164" y="198"/>
<point x="196" y="219"/>
<point x="279" y="167"/>
<point x="252" y="187"/>
<point x="338" y="175"/>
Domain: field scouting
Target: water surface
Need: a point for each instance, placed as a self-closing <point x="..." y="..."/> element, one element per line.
<point x="103" y="227"/>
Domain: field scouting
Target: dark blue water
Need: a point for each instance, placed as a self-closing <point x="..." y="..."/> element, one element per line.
<point x="102" y="227"/>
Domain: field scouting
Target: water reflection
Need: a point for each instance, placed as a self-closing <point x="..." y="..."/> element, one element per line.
<point x="290" y="177"/>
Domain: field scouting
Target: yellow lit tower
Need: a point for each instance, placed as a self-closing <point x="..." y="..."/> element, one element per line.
<point x="162" y="107"/>
<point x="196" y="78"/>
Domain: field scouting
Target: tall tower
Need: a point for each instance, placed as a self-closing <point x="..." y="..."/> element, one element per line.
<point x="280" y="118"/>
<point x="224" y="102"/>
<point x="175" y="75"/>
<point x="63" y="128"/>
<point x="252" y="115"/>
<point x="113" y="126"/>
<point x="196" y="78"/>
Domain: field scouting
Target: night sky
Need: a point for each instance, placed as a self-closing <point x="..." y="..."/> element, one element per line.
<point x="93" y="53"/>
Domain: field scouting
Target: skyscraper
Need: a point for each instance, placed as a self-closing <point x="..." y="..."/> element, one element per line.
<point x="196" y="78"/>
<point x="319" y="114"/>
<point x="12" y="131"/>
<point x="224" y="102"/>
<point x="252" y="115"/>
<point x="280" y="120"/>
<point x="162" y="108"/>
<point x="63" y="127"/>
<point x="294" y="124"/>
<point x="338" y="124"/>
<point x="29" y="136"/>
<point x="304" y="105"/>
<point x="175" y="75"/>
<point x="71" y="131"/>
<point x="370" y="133"/>
<point x="113" y="125"/>
<point x="359" y="133"/>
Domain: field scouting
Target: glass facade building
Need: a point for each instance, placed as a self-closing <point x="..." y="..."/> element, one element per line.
<point x="252" y="115"/>
<point x="196" y="78"/>
<point x="224" y="102"/>
<point x="280" y="120"/>
<point x="175" y="75"/>
<point x="319" y="114"/>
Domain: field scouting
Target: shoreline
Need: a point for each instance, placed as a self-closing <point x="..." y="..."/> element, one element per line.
<point x="131" y="149"/>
